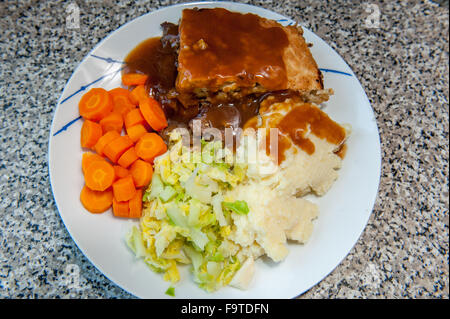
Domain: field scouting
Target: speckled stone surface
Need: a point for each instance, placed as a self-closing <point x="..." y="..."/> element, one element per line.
<point x="403" y="64"/>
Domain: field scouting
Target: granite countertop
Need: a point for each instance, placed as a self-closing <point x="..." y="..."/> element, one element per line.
<point x="402" y="62"/>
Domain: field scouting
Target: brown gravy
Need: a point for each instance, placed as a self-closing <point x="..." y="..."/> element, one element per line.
<point x="294" y="127"/>
<point x="308" y="117"/>
<point x="283" y="145"/>
<point x="341" y="151"/>
<point x="157" y="57"/>
<point x="219" y="47"/>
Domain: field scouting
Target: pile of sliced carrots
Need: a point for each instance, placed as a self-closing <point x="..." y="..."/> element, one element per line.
<point x="120" y="130"/>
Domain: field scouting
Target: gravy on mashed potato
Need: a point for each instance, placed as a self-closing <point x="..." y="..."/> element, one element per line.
<point x="309" y="165"/>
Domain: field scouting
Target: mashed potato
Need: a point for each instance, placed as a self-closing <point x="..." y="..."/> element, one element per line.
<point x="272" y="192"/>
<point x="272" y="220"/>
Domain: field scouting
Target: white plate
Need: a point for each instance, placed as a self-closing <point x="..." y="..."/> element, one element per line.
<point x="344" y="210"/>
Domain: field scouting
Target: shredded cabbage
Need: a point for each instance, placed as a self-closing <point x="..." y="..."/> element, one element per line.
<point x="186" y="220"/>
<point x="170" y="291"/>
<point x="239" y="207"/>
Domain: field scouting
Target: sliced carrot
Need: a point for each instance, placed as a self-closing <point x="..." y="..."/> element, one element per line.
<point x="90" y="133"/>
<point x="104" y="140"/>
<point x="124" y="189"/>
<point x="138" y="93"/>
<point x="128" y="158"/>
<point x="114" y="149"/>
<point x="153" y="113"/>
<point x="112" y="122"/>
<point x="136" y="132"/>
<point x="131" y="79"/>
<point x="120" y="172"/>
<point x="122" y="105"/>
<point x="99" y="175"/>
<point x="135" y="205"/>
<point x="96" y="202"/>
<point x="120" y="209"/>
<point x="149" y="146"/>
<point x="119" y="92"/>
<point x="142" y="173"/>
<point x="88" y="158"/>
<point x="134" y="117"/>
<point x="95" y="104"/>
<point x="121" y="101"/>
